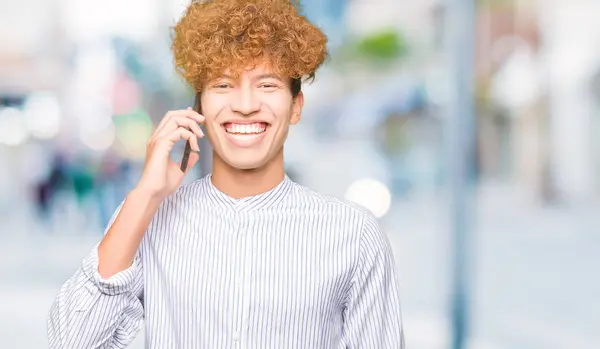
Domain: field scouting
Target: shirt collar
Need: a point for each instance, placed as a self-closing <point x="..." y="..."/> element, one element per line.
<point x="261" y="201"/>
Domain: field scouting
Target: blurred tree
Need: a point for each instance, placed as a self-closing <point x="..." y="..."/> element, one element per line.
<point x="495" y="3"/>
<point x="384" y="45"/>
<point x="378" y="50"/>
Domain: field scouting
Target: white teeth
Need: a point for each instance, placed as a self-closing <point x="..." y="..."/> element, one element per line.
<point x="246" y="128"/>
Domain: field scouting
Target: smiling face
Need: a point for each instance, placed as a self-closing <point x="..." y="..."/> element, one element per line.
<point x="248" y="117"/>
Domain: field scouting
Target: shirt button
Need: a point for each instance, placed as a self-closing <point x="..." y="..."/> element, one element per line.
<point x="236" y="336"/>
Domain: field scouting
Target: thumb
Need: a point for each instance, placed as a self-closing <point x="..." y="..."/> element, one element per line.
<point x="192" y="160"/>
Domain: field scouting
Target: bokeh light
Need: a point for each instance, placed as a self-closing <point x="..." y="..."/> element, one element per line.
<point x="372" y="194"/>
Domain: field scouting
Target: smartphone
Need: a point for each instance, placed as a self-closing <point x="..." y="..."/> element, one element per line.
<point x="186" y="152"/>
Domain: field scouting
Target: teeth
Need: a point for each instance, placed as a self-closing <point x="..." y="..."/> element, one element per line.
<point x="246" y="128"/>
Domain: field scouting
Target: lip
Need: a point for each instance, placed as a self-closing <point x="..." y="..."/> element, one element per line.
<point x="245" y="122"/>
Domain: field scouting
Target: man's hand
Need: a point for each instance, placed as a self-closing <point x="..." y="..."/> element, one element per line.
<point x="161" y="175"/>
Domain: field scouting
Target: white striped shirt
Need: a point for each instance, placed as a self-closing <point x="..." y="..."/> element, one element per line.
<point x="290" y="268"/>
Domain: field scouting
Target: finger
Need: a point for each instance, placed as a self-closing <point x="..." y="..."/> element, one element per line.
<point x="182" y="133"/>
<point x="188" y="113"/>
<point x="164" y="120"/>
<point x="194" y="127"/>
<point x="169" y="140"/>
<point x="167" y="125"/>
<point x="178" y="121"/>
<point x="190" y="124"/>
<point x="174" y="121"/>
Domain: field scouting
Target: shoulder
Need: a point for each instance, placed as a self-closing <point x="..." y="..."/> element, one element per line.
<point x="370" y="241"/>
<point x="180" y="203"/>
<point x="370" y="231"/>
<point x="186" y="194"/>
<point x="309" y="200"/>
<point x="185" y="191"/>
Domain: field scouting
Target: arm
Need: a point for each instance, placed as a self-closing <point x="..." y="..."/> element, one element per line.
<point x="372" y="318"/>
<point x="100" y="305"/>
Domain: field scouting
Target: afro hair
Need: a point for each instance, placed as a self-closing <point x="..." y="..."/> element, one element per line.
<point x="218" y="35"/>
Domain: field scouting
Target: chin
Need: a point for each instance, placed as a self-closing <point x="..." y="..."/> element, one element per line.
<point x="245" y="165"/>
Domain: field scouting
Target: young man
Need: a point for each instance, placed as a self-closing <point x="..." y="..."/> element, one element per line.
<point x="243" y="258"/>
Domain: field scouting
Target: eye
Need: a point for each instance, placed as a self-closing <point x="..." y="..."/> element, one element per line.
<point x="268" y="86"/>
<point x="221" y="86"/>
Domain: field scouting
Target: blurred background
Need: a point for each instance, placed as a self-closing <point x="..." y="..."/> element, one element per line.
<point x="487" y="194"/>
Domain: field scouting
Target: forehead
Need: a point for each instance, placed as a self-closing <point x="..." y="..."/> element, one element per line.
<point x="252" y="71"/>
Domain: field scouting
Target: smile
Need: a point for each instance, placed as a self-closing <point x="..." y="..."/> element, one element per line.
<point x="245" y="134"/>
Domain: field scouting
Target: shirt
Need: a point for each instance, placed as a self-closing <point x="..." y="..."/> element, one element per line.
<point x="289" y="268"/>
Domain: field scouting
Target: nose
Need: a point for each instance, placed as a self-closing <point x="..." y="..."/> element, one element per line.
<point x="245" y="102"/>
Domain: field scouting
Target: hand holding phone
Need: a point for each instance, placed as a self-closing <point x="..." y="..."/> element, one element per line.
<point x="161" y="175"/>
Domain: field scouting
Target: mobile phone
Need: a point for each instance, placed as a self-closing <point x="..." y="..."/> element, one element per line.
<point x="186" y="152"/>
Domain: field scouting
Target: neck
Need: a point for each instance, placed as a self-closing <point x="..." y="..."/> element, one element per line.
<point x="243" y="183"/>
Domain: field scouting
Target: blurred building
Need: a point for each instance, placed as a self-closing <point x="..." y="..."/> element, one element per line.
<point x="536" y="110"/>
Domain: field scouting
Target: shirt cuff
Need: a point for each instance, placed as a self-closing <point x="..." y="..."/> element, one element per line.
<point x="119" y="283"/>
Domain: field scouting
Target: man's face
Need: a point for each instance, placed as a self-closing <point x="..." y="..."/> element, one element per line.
<point x="248" y="117"/>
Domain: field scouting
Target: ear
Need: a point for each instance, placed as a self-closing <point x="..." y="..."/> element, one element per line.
<point x="297" y="105"/>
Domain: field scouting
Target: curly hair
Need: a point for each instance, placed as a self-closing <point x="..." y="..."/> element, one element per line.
<point x="216" y="35"/>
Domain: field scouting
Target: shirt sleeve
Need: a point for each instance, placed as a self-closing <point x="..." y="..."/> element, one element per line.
<point x="92" y="312"/>
<point x="372" y="317"/>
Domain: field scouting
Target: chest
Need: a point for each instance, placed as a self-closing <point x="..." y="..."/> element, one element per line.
<point x="251" y="269"/>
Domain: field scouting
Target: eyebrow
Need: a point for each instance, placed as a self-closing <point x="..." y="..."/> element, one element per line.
<point x="268" y="76"/>
<point x="259" y="77"/>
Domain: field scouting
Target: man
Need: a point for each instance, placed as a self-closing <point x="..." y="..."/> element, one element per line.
<point x="243" y="258"/>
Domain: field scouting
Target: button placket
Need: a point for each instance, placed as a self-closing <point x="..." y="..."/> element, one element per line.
<point x="249" y="222"/>
<point x="245" y="244"/>
<point x="236" y="222"/>
<point x="239" y="276"/>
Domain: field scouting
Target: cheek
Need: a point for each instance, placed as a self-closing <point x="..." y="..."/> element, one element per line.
<point x="281" y="110"/>
<point x="212" y="105"/>
<point x="212" y="130"/>
<point x="211" y="112"/>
